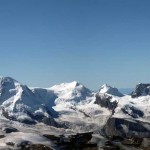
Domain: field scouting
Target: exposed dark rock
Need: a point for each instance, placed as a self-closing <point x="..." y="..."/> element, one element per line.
<point x="2" y="136"/>
<point x="126" y="128"/>
<point x="105" y="95"/>
<point x="116" y="138"/>
<point x="41" y="118"/>
<point x="141" y="89"/>
<point x="145" y="144"/>
<point x="132" y="111"/>
<point x="50" y="121"/>
<point x="26" y="121"/>
<point x="110" y="146"/>
<point x="108" y="143"/>
<point x="37" y="147"/>
<point x="54" y="138"/>
<point x="24" y="144"/>
<point x="124" y="144"/>
<point x="104" y="100"/>
<point x="79" y="141"/>
<point x="5" y="113"/>
<point x="91" y="146"/>
<point x="134" y="142"/>
<point x="10" y="144"/>
<point x="38" y="117"/>
<point x="9" y="129"/>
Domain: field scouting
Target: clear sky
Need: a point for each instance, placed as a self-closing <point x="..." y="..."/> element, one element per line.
<point x="45" y="42"/>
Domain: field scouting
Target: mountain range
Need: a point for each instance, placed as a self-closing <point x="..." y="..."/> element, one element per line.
<point x="72" y="107"/>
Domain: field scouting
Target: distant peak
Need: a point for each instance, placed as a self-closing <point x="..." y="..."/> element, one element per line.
<point x="110" y="90"/>
<point x="141" y="89"/>
<point x="104" y="88"/>
<point x="68" y="84"/>
<point x="75" y="83"/>
<point x="8" y="82"/>
<point x="106" y="85"/>
<point x="7" y="79"/>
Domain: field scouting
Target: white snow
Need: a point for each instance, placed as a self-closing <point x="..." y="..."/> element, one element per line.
<point x="70" y="91"/>
<point x="72" y="102"/>
<point x="109" y="90"/>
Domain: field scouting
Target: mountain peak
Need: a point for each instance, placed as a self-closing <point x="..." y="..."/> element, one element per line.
<point x="75" y="83"/>
<point x="66" y="85"/>
<point x="104" y="88"/>
<point x="109" y="90"/>
<point x="8" y="83"/>
<point x="141" y="89"/>
<point x="73" y="91"/>
<point x="7" y="78"/>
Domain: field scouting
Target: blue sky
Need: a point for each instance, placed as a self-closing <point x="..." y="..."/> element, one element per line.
<point x="43" y="43"/>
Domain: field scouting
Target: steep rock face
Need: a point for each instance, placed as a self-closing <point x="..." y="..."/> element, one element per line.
<point x="44" y="96"/>
<point x="104" y="100"/>
<point x="13" y="93"/>
<point x="141" y="90"/>
<point x="126" y="128"/>
<point x="132" y="111"/>
<point x="106" y="97"/>
<point x="77" y="141"/>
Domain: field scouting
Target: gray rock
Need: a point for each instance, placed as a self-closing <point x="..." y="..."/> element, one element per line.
<point x="50" y="121"/>
<point x="126" y="128"/>
<point x="141" y="90"/>
<point x="2" y="136"/>
<point x="132" y="111"/>
<point x="104" y="100"/>
<point x="9" y="129"/>
<point x="76" y="142"/>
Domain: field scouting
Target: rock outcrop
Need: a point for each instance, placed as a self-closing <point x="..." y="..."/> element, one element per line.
<point x="104" y="100"/>
<point x="126" y="128"/>
<point x="132" y="111"/>
<point x="77" y="141"/>
<point x="106" y="97"/>
<point x="9" y="129"/>
<point x="141" y="90"/>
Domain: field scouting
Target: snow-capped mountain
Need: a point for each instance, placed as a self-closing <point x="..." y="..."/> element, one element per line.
<point x="72" y="106"/>
<point x="73" y="91"/>
<point x="107" y="89"/>
<point x="108" y="97"/>
<point x="20" y="103"/>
